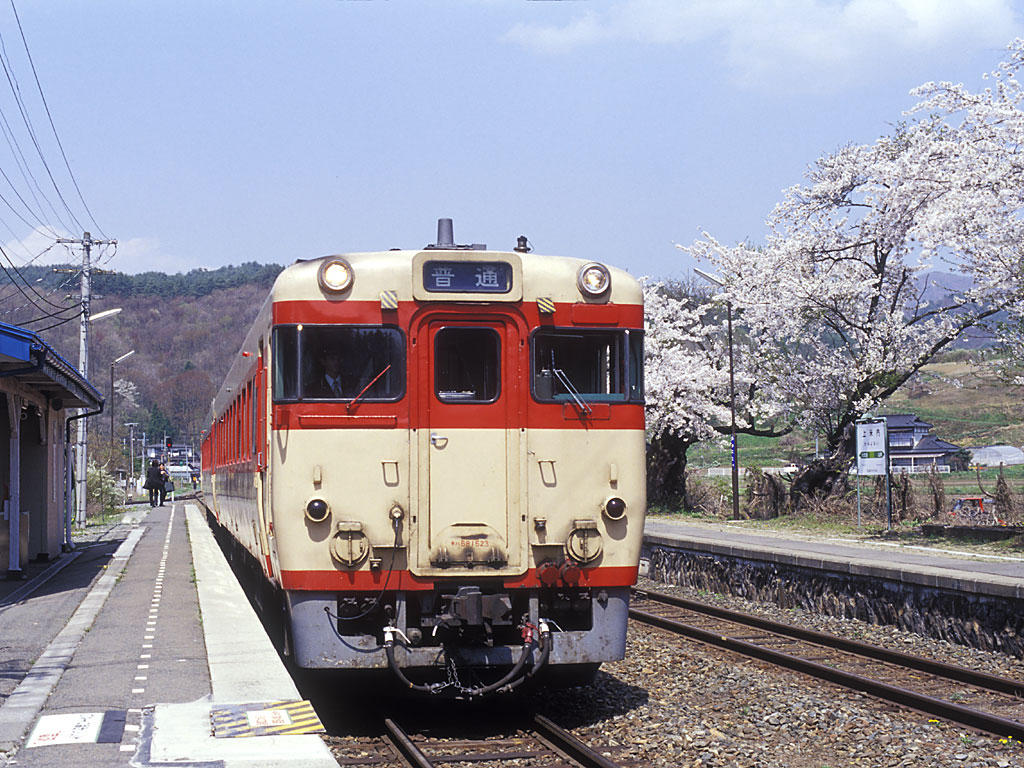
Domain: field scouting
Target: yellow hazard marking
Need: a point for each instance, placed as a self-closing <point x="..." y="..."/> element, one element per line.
<point x="389" y="299"/>
<point x="275" y="718"/>
<point x="546" y="306"/>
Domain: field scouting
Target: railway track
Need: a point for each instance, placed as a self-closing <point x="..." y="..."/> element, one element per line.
<point x="975" y="699"/>
<point x="539" y="743"/>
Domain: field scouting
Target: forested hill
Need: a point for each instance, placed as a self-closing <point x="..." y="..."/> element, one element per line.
<point x="198" y="282"/>
<point x="185" y="330"/>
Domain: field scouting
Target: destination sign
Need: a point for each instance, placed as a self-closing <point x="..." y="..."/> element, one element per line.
<point x="467" y="276"/>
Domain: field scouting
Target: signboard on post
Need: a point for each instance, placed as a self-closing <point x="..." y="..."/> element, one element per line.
<point x="872" y="448"/>
<point x="873" y="458"/>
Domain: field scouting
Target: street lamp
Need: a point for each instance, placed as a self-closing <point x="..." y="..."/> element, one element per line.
<point x="125" y="356"/>
<point x="81" y="462"/>
<point x="105" y="313"/>
<point x="732" y="398"/>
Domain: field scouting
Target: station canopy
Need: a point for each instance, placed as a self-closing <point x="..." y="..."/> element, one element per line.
<point x="35" y="364"/>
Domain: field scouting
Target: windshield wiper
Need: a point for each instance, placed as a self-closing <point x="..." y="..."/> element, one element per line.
<point x="574" y="393"/>
<point x="362" y="392"/>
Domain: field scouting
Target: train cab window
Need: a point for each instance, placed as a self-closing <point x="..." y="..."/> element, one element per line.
<point x="466" y="365"/>
<point x="339" y="362"/>
<point x="595" y="365"/>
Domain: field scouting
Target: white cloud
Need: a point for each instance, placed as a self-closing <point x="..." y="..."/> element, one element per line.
<point x="131" y="255"/>
<point x="808" y="41"/>
<point x="37" y="247"/>
<point x="140" y="254"/>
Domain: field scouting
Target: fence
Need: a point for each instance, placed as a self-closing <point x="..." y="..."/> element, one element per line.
<point x="726" y="471"/>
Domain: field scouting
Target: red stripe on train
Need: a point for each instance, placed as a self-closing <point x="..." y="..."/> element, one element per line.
<point x="354" y="311"/>
<point x="370" y="581"/>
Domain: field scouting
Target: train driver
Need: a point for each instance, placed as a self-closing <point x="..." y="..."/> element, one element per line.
<point x="330" y="382"/>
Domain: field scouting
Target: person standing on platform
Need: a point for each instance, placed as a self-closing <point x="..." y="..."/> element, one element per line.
<point x="154" y="483"/>
<point x="165" y="480"/>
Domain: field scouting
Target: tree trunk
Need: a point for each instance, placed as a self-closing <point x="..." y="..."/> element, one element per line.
<point x="666" y="471"/>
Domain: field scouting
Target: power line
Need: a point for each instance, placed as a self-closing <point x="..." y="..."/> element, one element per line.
<point x="62" y="322"/>
<point x="36" y="203"/>
<point x="25" y="281"/>
<point x="23" y="110"/>
<point x="26" y="173"/>
<point x="53" y="127"/>
<point x="27" y="285"/>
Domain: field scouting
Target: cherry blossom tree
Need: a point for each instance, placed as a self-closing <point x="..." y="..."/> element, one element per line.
<point x="837" y="299"/>
<point x="687" y="386"/>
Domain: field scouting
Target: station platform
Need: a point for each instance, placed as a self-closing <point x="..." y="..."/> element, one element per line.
<point x="928" y="566"/>
<point x="141" y="649"/>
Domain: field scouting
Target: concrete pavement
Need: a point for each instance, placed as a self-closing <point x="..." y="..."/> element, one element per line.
<point x="158" y="638"/>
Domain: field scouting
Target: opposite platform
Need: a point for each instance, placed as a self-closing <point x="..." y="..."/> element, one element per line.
<point x="991" y="575"/>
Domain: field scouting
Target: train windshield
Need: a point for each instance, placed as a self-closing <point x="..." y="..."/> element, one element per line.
<point x="595" y="365"/>
<point x="338" y="362"/>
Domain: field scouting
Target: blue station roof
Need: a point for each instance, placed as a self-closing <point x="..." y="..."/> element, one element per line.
<point x="35" y="364"/>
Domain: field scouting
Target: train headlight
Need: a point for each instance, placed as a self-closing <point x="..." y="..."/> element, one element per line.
<point x="317" y="510"/>
<point x="594" y="279"/>
<point x="615" y="508"/>
<point x="335" y="275"/>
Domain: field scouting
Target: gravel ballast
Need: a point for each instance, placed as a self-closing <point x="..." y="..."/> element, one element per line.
<point x="679" y="703"/>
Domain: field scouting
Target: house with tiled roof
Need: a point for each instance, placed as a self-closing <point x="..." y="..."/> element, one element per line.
<point x="913" y="448"/>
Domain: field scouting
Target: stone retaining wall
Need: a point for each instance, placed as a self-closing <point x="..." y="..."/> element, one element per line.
<point x="976" y="621"/>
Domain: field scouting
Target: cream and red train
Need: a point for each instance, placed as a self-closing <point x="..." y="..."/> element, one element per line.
<point x="436" y="458"/>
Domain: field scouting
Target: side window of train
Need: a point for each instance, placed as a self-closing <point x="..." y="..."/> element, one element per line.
<point x="286" y="365"/>
<point x="467" y="365"/>
<point x="597" y="365"/>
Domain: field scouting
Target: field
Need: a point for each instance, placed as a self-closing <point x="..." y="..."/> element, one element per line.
<point x="961" y="395"/>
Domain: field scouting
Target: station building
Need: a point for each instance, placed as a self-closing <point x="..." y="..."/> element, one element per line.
<point x="40" y="394"/>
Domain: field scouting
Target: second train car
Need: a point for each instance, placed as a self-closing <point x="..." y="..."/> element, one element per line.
<point x="435" y="459"/>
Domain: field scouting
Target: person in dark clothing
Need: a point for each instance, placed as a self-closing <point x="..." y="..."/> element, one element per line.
<point x="329" y="383"/>
<point x="165" y="478"/>
<point x="154" y="482"/>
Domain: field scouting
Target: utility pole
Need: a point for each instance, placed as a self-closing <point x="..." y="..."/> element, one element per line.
<point x="732" y="399"/>
<point x="87" y="242"/>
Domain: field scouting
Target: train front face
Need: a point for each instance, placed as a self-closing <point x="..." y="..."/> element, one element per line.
<point x="457" y="459"/>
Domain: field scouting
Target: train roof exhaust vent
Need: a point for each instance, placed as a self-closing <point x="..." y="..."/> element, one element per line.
<point x="445" y="233"/>
<point x="446" y="239"/>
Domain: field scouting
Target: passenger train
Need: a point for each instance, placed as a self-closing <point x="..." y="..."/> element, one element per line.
<point x="434" y="459"/>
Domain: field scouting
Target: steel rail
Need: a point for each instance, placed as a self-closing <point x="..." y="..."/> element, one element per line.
<point x="404" y="745"/>
<point x="931" y="666"/>
<point x="927" y="704"/>
<point x="552" y="738"/>
<point x="569" y="744"/>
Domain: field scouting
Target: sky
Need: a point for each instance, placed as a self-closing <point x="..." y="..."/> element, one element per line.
<point x="200" y="134"/>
